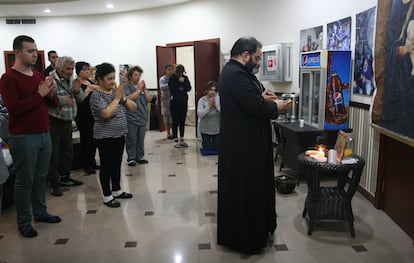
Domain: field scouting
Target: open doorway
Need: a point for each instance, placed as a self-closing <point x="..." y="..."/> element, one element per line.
<point x="201" y="59"/>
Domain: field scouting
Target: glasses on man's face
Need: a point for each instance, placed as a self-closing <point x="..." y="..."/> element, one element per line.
<point x="213" y="90"/>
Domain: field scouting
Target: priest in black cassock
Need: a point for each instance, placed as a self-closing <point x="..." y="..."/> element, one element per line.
<point x="246" y="214"/>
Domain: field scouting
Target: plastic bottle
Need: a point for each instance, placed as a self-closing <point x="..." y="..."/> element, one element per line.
<point x="349" y="146"/>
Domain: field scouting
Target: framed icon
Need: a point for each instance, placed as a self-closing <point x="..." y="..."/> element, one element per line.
<point x="39" y="66"/>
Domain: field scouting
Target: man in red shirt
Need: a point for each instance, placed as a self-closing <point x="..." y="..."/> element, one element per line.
<point x="26" y="95"/>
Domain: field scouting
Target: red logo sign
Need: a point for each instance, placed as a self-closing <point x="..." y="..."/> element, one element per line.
<point x="304" y="60"/>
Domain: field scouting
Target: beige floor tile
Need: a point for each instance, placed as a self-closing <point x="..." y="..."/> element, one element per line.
<point x="182" y="215"/>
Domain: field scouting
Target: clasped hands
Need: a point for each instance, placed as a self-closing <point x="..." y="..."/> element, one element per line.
<point x="212" y="102"/>
<point x="46" y="87"/>
<point x="140" y="86"/>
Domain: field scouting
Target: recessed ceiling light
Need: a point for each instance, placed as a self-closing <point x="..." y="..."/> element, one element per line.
<point x="47" y="10"/>
<point x="109" y="6"/>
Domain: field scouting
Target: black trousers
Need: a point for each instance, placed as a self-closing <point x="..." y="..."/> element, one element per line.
<point x="178" y="113"/>
<point x="110" y="154"/>
<point x="88" y="144"/>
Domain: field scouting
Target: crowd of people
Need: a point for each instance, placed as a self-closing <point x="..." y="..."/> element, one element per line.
<point x="43" y="107"/>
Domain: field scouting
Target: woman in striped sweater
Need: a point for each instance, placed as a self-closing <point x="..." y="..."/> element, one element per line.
<point x="109" y="107"/>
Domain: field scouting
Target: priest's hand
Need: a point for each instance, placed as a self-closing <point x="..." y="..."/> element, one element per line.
<point x="281" y="105"/>
<point x="269" y="96"/>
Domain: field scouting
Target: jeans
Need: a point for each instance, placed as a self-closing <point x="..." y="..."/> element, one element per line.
<point x="178" y="113"/>
<point x="210" y="142"/>
<point x="31" y="156"/>
<point x="110" y="154"/>
<point x="134" y="141"/>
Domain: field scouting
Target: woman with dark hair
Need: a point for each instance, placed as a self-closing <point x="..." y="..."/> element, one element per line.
<point x="179" y="86"/>
<point x="208" y="111"/>
<point x="84" y="119"/>
<point x="109" y="107"/>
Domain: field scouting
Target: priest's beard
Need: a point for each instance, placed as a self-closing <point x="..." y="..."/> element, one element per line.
<point x="252" y="67"/>
<point x="255" y="70"/>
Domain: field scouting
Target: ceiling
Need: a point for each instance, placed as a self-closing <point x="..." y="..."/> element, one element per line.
<point x="27" y="8"/>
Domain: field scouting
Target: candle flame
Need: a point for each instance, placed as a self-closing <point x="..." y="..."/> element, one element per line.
<point x="320" y="149"/>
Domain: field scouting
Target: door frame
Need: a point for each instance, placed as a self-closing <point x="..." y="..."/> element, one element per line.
<point x="199" y="87"/>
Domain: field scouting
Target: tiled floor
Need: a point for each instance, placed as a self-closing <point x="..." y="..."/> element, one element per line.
<point x="172" y="218"/>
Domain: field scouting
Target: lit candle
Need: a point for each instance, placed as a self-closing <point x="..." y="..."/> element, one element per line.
<point x="321" y="152"/>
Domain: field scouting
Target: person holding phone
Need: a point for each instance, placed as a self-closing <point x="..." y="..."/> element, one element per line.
<point x="179" y="87"/>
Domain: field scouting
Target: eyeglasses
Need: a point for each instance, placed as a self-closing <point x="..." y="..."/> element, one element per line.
<point x="213" y="90"/>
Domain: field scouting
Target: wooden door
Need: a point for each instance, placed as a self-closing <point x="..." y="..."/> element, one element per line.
<point x="206" y="67"/>
<point x="39" y="66"/>
<point x="165" y="56"/>
<point x="396" y="182"/>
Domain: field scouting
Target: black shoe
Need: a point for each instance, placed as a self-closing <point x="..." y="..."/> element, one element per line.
<point x="56" y="191"/>
<point x="170" y="137"/>
<point x="132" y="163"/>
<point x="69" y="182"/>
<point x="113" y="203"/>
<point x="27" y="231"/>
<point x="124" y="195"/>
<point x="89" y="171"/>
<point x="142" y="161"/>
<point x="49" y="219"/>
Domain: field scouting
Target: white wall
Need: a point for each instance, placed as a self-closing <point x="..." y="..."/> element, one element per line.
<point x="185" y="57"/>
<point x="130" y="38"/>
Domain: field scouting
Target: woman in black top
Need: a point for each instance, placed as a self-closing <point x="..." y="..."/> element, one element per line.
<point x="84" y="119"/>
<point x="179" y="86"/>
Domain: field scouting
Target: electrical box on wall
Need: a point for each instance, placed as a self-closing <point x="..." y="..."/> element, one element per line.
<point x="277" y="63"/>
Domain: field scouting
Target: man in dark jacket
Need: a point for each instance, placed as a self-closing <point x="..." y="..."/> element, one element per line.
<point x="246" y="193"/>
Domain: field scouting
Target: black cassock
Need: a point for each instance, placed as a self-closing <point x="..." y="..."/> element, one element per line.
<point x="246" y="193"/>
